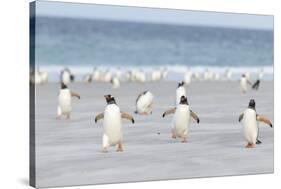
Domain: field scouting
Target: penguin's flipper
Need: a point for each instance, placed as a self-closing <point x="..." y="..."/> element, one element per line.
<point x="241" y="117"/>
<point x="265" y="120"/>
<point x="256" y="85"/>
<point x="258" y="141"/>
<point x="249" y="82"/>
<point x="194" y="116"/>
<point x="98" y="117"/>
<point x="75" y="94"/>
<point x="170" y="111"/>
<point x="127" y="116"/>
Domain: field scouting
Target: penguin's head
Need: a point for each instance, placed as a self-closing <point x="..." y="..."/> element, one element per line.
<point x="109" y="99"/>
<point x="183" y="100"/>
<point x="252" y="104"/>
<point x="180" y="84"/>
<point x="243" y="75"/>
<point x="63" y="86"/>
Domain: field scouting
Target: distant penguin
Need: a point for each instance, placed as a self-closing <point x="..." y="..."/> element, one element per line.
<point x="64" y="101"/>
<point x="37" y="77"/>
<point x="180" y="92"/>
<point x="118" y="73"/>
<point x="140" y="76"/>
<point x="188" y="78"/>
<point x="181" y="119"/>
<point x="197" y="76"/>
<point x="243" y="83"/>
<point x="208" y="75"/>
<point x="87" y="78"/>
<point x="144" y="103"/>
<point x="96" y="75"/>
<point x="228" y="74"/>
<point x="112" y="124"/>
<point x="115" y="82"/>
<point x="107" y="76"/>
<point x="156" y="75"/>
<point x="250" y="120"/>
<point x="164" y="73"/>
<point x="261" y="73"/>
<point x="66" y="76"/>
<point x="44" y="77"/>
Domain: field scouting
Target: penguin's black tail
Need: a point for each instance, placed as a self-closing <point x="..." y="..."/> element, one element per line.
<point x="258" y="141"/>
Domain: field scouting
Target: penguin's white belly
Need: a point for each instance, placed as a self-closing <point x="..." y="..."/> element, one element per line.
<point x="144" y="104"/>
<point x="243" y="85"/>
<point x="112" y="124"/>
<point x="179" y="93"/>
<point x="250" y="126"/>
<point x="115" y="83"/>
<point x="181" y="121"/>
<point x="65" y="101"/>
<point x="66" y="78"/>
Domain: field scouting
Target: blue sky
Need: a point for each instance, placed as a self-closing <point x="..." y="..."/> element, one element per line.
<point x="154" y="15"/>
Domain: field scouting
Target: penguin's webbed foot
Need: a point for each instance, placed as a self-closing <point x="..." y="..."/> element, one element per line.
<point x="250" y="145"/>
<point x="184" y="140"/>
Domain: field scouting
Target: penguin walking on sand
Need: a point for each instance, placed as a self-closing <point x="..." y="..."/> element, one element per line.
<point x="250" y="120"/>
<point x="181" y="119"/>
<point x="66" y="76"/>
<point x="144" y="103"/>
<point x="180" y="92"/>
<point x="243" y="83"/>
<point x="64" y="101"/>
<point x="112" y="124"/>
<point x="188" y="78"/>
<point x="115" y="82"/>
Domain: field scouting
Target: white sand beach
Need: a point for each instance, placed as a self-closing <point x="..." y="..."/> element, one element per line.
<point x="68" y="152"/>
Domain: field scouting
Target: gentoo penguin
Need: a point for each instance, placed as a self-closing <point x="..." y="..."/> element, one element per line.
<point x="156" y="75"/>
<point x="115" y="82"/>
<point x="249" y="119"/>
<point x="181" y="119"/>
<point x="96" y="75"/>
<point x="243" y="83"/>
<point x="144" y="103"/>
<point x="44" y="77"/>
<point x="188" y="78"/>
<point x="66" y="76"/>
<point x="88" y="78"/>
<point x="37" y="76"/>
<point x="180" y="92"/>
<point x="112" y="124"/>
<point x="261" y="73"/>
<point x="228" y="74"/>
<point x="64" y="101"/>
<point x="107" y="76"/>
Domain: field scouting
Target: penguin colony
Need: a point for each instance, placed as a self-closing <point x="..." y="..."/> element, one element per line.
<point x="182" y="114"/>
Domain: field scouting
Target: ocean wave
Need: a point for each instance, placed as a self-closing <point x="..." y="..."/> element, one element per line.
<point x="175" y="72"/>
